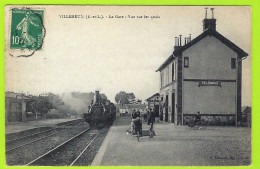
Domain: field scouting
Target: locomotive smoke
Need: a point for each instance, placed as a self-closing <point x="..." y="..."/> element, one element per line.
<point x="76" y="104"/>
<point x="98" y="89"/>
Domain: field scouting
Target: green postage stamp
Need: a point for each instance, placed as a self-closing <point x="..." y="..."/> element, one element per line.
<point x="27" y="29"/>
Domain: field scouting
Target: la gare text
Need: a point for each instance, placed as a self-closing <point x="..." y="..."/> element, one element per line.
<point x="109" y="16"/>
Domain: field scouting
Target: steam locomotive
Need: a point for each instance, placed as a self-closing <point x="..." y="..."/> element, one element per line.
<point x="101" y="111"/>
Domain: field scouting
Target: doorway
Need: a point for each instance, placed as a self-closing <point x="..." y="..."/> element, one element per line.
<point x="173" y="108"/>
<point x="166" y="108"/>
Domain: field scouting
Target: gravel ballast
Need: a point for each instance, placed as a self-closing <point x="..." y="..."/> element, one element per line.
<point x="26" y="154"/>
<point x="65" y="155"/>
<point x="12" y="136"/>
<point x="88" y="156"/>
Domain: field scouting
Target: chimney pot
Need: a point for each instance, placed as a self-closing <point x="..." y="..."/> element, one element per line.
<point x="209" y="23"/>
<point x="212" y="10"/>
<point x="180" y="40"/>
<point x="206" y="12"/>
<point x="176" y="41"/>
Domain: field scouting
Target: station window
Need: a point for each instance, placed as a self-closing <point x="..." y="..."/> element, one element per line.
<point x="233" y="63"/>
<point x="173" y="71"/>
<point x="167" y="75"/>
<point x="162" y="79"/>
<point x="186" y="62"/>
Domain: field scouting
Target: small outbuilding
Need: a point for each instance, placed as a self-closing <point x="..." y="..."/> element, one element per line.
<point x="15" y="107"/>
<point x="153" y="103"/>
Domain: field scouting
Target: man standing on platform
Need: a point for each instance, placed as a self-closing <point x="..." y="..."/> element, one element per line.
<point x="151" y="118"/>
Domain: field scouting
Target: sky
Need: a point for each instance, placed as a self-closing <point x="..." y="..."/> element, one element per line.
<point x="117" y="54"/>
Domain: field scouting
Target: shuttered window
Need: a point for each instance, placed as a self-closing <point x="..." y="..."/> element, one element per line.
<point x="167" y="75"/>
<point x="233" y="63"/>
<point x="173" y="71"/>
<point x="186" y="62"/>
<point x="162" y="79"/>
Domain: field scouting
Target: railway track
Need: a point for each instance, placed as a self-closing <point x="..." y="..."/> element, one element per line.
<point x="8" y="140"/>
<point x="73" y="122"/>
<point x="21" y="150"/>
<point x="11" y="147"/>
<point x="15" y="143"/>
<point x="67" y="153"/>
<point x="59" y="146"/>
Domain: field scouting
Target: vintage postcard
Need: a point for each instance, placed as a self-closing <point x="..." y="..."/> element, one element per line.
<point x="128" y="85"/>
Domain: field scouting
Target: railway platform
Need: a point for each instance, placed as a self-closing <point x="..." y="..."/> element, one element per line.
<point x="175" y="145"/>
<point x="13" y="127"/>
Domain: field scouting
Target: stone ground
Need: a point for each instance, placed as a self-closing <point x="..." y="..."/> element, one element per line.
<point x="175" y="145"/>
<point x="13" y="127"/>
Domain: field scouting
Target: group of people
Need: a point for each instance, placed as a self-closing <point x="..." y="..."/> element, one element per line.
<point x="149" y="117"/>
<point x="136" y="122"/>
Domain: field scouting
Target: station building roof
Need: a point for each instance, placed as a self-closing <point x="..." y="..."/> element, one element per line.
<point x="153" y="96"/>
<point x="15" y="96"/>
<point x="208" y="32"/>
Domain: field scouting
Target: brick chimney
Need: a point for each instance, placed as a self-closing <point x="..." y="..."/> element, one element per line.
<point x="177" y="42"/>
<point x="209" y="23"/>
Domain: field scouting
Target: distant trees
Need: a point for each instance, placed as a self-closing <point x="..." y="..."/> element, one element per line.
<point x="124" y="98"/>
<point x="121" y="97"/>
<point x="39" y="105"/>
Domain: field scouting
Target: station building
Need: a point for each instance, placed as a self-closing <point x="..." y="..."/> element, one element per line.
<point x="203" y="74"/>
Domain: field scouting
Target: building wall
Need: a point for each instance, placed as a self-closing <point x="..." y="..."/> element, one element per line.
<point x="15" y="110"/>
<point x="210" y="59"/>
<point x="170" y="86"/>
<point x="166" y="74"/>
<point x="209" y="99"/>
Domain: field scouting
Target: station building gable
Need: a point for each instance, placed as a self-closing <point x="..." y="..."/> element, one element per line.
<point x="208" y="79"/>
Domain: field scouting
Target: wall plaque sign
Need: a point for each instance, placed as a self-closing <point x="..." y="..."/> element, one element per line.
<point x="209" y="83"/>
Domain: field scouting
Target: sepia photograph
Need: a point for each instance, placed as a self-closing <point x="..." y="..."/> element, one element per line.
<point x="114" y="85"/>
